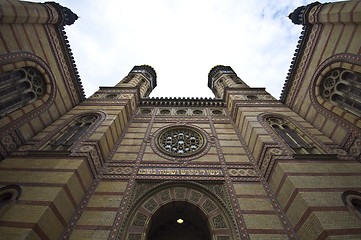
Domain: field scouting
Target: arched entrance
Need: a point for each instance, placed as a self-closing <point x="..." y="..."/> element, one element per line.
<point x="178" y="220"/>
<point x="154" y="208"/>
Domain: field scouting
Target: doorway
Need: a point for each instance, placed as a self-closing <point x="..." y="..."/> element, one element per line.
<point x="178" y="220"/>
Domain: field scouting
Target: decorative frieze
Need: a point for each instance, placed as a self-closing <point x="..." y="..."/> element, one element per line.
<point x="183" y="102"/>
<point x="139" y="220"/>
<point x="150" y="205"/>
<point x="180" y="171"/>
<point x="119" y="170"/>
<point x="219" y="222"/>
<point x="239" y="172"/>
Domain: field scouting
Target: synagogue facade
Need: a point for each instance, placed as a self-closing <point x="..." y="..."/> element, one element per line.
<point x="123" y="165"/>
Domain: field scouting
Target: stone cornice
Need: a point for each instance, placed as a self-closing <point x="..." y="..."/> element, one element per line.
<point x="299" y="16"/>
<point x="67" y="17"/>
<point x="180" y="102"/>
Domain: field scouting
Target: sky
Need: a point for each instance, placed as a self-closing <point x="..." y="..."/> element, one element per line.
<point x="183" y="40"/>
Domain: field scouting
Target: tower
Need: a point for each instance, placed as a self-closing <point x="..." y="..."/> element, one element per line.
<point x="142" y="77"/>
<point x="123" y="165"/>
<point x="221" y="77"/>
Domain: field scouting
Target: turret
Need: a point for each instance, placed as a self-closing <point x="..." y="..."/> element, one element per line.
<point x="143" y="77"/>
<point x="221" y="77"/>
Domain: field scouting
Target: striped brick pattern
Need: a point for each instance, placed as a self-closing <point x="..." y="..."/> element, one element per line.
<point x="129" y="147"/>
<point x="258" y="212"/>
<point x="231" y="147"/>
<point x="52" y="187"/>
<point x="23" y="24"/>
<point x="98" y="216"/>
<point x="341" y="38"/>
<point x="310" y="193"/>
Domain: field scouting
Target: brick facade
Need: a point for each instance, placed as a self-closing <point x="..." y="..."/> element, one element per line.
<point x="112" y="181"/>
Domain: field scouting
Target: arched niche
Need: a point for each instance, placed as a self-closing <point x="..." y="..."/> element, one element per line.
<point x="335" y="71"/>
<point x="20" y="60"/>
<point x="160" y="206"/>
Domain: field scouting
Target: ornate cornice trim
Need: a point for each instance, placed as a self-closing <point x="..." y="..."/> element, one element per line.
<point x="182" y="102"/>
<point x="67" y="17"/>
<point x="301" y="47"/>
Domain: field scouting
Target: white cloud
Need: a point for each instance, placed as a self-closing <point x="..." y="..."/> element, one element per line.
<point x="183" y="40"/>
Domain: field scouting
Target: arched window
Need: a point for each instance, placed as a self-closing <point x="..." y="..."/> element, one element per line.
<point x="352" y="200"/>
<point x="342" y="88"/>
<point x="20" y="87"/>
<point x="235" y="79"/>
<point x="127" y="78"/>
<point x="293" y="136"/>
<point x="71" y="133"/>
<point x="8" y="195"/>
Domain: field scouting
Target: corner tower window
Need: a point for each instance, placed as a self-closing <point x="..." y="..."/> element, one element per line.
<point x="342" y="88"/>
<point x="236" y="79"/>
<point x="19" y="88"/>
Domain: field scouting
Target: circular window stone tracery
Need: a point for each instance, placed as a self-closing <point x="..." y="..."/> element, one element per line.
<point x="181" y="142"/>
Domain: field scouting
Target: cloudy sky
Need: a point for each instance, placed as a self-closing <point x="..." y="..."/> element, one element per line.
<point x="182" y="40"/>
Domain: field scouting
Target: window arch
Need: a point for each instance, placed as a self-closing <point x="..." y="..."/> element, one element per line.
<point x="293" y="136"/>
<point x="127" y="78"/>
<point x="8" y="195"/>
<point x="20" y="87"/>
<point x="352" y="200"/>
<point x="342" y="87"/>
<point x="75" y="130"/>
<point x="235" y="79"/>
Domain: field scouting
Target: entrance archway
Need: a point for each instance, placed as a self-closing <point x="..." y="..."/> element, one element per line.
<point x="154" y="209"/>
<point x="178" y="220"/>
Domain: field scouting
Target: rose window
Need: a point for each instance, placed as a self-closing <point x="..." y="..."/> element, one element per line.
<point x="181" y="141"/>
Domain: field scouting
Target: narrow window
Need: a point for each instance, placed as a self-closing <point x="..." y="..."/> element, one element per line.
<point x="19" y="88"/>
<point x="293" y="136"/>
<point x="128" y="78"/>
<point x="71" y="133"/>
<point x="236" y="79"/>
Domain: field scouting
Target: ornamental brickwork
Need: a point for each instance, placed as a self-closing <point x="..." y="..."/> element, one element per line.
<point x="122" y="165"/>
